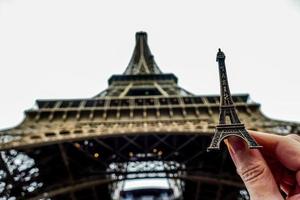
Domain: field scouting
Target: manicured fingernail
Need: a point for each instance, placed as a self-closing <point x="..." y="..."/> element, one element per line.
<point x="236" y="145"/>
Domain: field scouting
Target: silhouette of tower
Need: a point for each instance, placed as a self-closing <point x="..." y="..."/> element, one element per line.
<point x="229" y="123"/>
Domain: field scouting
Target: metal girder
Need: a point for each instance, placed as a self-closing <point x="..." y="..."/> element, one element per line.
<point x="102" y="143"/>
<point x="198" y="188"/>
<point x="70" y="188"/>
<point x="67" y="166"/>
<point x="181" y="146"/>
<point x="132" y="141"/>
<point x="87" y="183"/>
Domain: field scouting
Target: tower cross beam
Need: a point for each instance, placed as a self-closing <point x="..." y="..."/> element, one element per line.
<point x="229" y="122"/>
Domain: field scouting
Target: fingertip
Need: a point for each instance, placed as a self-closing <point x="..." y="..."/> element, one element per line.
<point x="239" y="151"/>
<point x="268" y="140"/>
<point x="236" y="144"/>
<point x="258" y="133"/>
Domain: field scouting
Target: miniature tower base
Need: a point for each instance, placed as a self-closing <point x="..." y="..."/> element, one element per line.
<point x="224" y="131"/>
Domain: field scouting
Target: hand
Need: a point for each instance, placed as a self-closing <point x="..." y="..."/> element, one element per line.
<point x="269" y="171"/>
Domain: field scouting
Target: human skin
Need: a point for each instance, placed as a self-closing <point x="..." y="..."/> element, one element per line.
<point x="272" y="169"/>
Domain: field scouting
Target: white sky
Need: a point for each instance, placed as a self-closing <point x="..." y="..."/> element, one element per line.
<point x="69" y="48"/>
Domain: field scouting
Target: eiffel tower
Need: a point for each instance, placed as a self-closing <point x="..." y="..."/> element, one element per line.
<point x="143" y="126"/>
<point x="232" y="126"/>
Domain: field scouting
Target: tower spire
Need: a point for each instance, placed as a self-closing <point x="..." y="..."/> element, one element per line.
<point x="142" y="60"/>
<point x="229" y="123"/>
<point x="225" y="97"/>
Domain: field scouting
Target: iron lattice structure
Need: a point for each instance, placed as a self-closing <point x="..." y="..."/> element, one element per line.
<point x="75" y="149"/>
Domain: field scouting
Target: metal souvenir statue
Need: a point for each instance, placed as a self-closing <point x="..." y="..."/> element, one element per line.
<point x="229" y="123"/>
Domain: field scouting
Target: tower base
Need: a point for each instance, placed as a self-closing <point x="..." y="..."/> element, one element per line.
<point x="224" y="131"/>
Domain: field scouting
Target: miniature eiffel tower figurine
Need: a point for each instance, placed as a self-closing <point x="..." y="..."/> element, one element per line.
<point x="229" y="123"/>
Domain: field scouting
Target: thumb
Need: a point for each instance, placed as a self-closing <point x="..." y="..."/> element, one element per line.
<point x="253" y="170"/>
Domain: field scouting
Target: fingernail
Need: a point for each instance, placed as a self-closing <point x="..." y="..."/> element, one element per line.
<point x="236" y="145"/>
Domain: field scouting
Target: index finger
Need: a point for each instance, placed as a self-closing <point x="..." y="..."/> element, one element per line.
<point x="285" y="148"/>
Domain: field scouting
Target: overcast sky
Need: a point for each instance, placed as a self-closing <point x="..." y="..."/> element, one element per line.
<point x="69" y="48"/>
